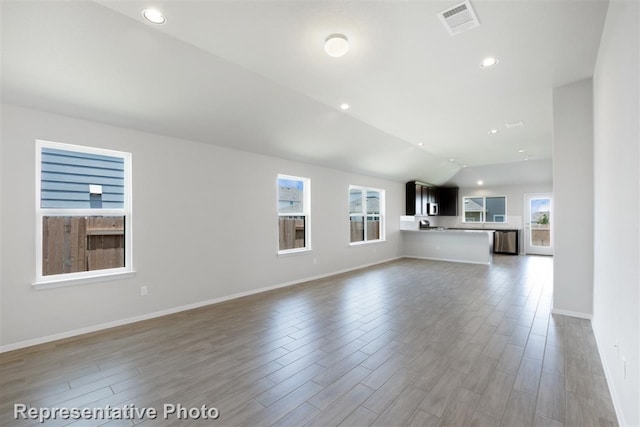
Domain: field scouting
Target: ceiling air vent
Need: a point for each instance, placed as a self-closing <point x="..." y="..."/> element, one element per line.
<point x="459" y="18"/>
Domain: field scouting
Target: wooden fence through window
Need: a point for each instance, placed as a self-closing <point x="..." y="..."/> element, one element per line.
<point x="291" y="232"/>
<point x="72" y="243"/>
<point x="357" y="230"/>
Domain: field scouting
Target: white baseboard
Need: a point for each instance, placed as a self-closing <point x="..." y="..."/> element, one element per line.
<point x="147" y="316"/>
<point x="572" y="314"/>
<point x="607" y="374"/>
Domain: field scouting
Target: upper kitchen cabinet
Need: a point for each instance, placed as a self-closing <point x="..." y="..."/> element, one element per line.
<point x="433" y="195"/>
<point x="420" y="195"/>
<point x="448" y="201"/>
<point x="413" y="204"/>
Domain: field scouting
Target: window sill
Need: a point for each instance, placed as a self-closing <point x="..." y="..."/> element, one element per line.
<point x="294" y="251"/>
<point x="73" y="281"/>
<point x="368" y="242"/>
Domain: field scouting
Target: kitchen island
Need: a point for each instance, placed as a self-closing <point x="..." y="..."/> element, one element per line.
<point x="469" y="246"/>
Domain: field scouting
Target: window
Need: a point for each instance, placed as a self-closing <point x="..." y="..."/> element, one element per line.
<point x="366" y="214"/>
<point x="485" y="209"/>
<point x="293" y="214"/>
<point x="83" y="213"/>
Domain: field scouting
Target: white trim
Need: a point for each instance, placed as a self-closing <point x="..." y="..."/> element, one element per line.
<point x="295" y="251"/>
<point x="448" y="260"/>
<point x="569" y="313"/>
<point x="367" y="242"/>
<point x="484" y="209"/>
<point x="381" y="215"/>
<point x="127" y="212"/>
<point x="62" y="280"/>
<point x="81" y="212"/>
<point x="79" y="148"/>
<point x="526" y="224"/>
<point x="134" y="319"/>
<point x="607" y="374"/>
<point x="306" y="213"/>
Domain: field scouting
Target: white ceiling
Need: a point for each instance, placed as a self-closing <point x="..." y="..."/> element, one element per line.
<point x="512" y="173"/>
<point x="254" y="76"/>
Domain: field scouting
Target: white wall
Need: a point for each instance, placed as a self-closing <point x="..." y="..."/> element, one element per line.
<point x="515" y="205"/>
<point x="616" y="302"/>
<point x="204" y="226"/>
<point x="573" y="199"/>
<point x="1" y="228"/>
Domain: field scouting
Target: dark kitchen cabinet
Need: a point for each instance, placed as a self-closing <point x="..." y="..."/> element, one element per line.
<point x="430" y="196"/>
<point x="426" y="199"/>
<point x="433" y="195"/>
<point x="419" y="195"/>
<point x="448" y="201"/>
<point x="413" y="204"/>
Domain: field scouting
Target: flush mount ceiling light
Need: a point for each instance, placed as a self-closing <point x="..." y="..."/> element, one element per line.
<point x="154" y="16"/>
<point x="336" y="45"/>
<point x="514" y="124"/>
<point x="344" y="106"/>
<point x="488" y="62"/>
<point x="480" y="182"/>
<point x="493" y="131"/>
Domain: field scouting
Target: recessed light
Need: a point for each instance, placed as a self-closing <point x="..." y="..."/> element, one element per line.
<point x="464" y="166"/>
<point x="520" y="151"/>
<point x="493" y="131"/>
<point x="154" y="16"/>
<point x="420" y="144"/>
<point x="336" y="45"/>
<point x="344" y="106"/>
<point x="480" y="182"/>
<point x="488" y="62"/>
<point x="452" y="160"/>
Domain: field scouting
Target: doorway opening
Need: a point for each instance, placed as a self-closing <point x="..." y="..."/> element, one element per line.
<point x="539" y="224"/>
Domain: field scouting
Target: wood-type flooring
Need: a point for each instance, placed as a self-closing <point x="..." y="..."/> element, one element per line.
<point x="405" y="343"/>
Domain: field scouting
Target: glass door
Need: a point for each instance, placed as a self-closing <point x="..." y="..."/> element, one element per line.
<point x="539" y="224"/>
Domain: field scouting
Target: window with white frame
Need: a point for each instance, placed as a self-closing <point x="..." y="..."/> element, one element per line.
<point x="485" y="209"/>
<point x="366" y="214"/>
<point x="294" y="208"/>
<point x="83" y="212"/>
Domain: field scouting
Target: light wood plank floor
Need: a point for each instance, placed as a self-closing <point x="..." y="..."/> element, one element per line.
<point x="410" y="342"/>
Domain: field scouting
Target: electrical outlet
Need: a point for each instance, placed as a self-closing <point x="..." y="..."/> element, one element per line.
<point x="143" y="290"/>
<point x="315" y="260"/>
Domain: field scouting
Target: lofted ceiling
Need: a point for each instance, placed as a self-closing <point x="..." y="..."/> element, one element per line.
<point x="253" y="75"/>
<point x="511" y="173"/>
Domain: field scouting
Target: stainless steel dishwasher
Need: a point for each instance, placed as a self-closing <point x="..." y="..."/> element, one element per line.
<point x="505" y="242"/>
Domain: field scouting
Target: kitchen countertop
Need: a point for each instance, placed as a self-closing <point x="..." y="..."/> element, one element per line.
<point x="491" y="229"/>
<point x="452" y="230"/>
